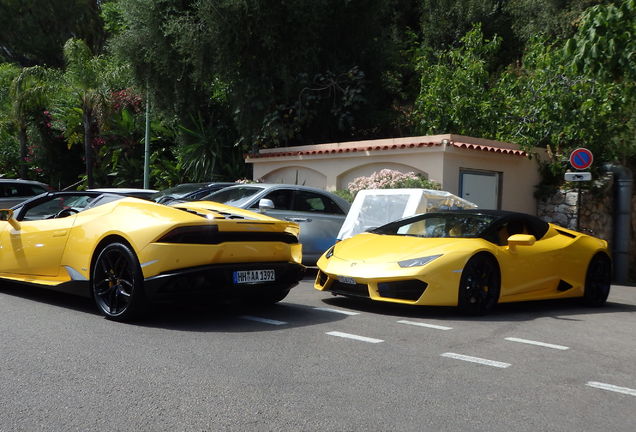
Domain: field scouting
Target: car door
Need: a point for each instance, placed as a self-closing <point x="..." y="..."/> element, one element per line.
<point x="320" y="219"/>
<point x="526" y="270"/>
<point x="36" y="247"/>
<point x="318" y="216"/>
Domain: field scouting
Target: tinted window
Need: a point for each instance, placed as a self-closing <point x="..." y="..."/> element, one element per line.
<point x="51" y="207"/>
<point x="20" y="190"/>
<point x="458" y="225"/>
<point x="313" y="202"/>
<point x="234" y="196"/>
<point x="282" y="199"/>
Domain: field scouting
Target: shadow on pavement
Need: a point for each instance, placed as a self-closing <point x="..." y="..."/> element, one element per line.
<point x="565" y="309"/>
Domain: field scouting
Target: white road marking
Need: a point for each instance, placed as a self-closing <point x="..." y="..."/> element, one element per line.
<point x="262" y="320"/>
<point x="336" y="311"/>
<point x="476" y="360"/>
<point x="610" y="387"/>
<point x="537" y="343"/>
<point x="420" y="324"/>
<point x="355" y="337"/>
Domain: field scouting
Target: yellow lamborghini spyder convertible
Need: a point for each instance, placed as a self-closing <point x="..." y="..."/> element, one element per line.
<point x="467" y="258"/>
<point x="125" y="251"/>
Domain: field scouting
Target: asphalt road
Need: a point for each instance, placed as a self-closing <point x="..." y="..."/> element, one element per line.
<point x="317" y="363"/>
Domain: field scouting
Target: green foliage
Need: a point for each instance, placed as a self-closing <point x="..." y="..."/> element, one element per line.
<point x="232" y="76"/>
<point x="9" y="145"/>
<point x="553" y="19"/>
<point x="455" y="94"/>
<point x="604" y="44"/>
<point x="549" y="105"/>
<point x="33" y="32"/>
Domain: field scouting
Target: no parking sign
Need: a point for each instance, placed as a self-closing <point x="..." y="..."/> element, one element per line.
<point x="581" y="158"/>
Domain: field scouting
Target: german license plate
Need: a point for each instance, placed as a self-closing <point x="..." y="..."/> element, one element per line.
<point x="347" y="280"/>
<point x="253" y="276"/>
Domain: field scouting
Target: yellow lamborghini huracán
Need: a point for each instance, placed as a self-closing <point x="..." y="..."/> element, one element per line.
<point x="126" y="251"/>
<point x="468" y="258"/>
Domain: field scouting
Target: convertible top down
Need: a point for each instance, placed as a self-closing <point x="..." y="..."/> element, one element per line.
<point x="125" y="251"/>
<point x="468" y="258"/>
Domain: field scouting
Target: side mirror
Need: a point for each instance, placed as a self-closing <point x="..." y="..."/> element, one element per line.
<point x="7" y="215"/>
<point x="520" y="240"/>
<point x="265" y="204"/>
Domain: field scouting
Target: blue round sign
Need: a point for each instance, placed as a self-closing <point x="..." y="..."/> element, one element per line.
<point x="581" y="158"/>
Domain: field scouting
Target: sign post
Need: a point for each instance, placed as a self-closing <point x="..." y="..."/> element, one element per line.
<point x="580" y="159"/>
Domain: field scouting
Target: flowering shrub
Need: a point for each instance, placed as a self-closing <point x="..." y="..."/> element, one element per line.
<point x="247" y="181"/>
<point x="390" y="179"/>
<point x="126" y="99"/>
<point x="386" y="179"/>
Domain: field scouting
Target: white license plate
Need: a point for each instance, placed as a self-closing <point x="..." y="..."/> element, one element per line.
<point x="347" y="280"/>
<point x="253" y="276"/>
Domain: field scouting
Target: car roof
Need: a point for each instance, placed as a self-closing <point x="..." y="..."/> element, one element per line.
<point x="35" y="182"/>
<point x="335" y="197"/>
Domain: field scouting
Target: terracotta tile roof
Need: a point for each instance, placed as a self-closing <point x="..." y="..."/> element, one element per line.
<point x="364" y="148"/>
<point x="505" y="150"/>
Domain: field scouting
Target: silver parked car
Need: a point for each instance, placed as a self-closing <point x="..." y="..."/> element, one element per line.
<point x="14" y="191"/>
<point x="320" y="214"/>
<point x="188" y="192"/>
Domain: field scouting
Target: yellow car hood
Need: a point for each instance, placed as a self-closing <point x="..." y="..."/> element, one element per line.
<point x="376" y="248"/>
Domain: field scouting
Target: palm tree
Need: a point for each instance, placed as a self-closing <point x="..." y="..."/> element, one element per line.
<point x="29" y="94"/>
<point x="86" y="85"/>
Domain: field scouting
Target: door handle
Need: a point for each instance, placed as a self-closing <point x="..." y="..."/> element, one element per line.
<point x="59" y="233"/>
<point x="293" y="219"/>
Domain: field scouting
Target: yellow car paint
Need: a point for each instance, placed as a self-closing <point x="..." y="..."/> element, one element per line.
<point x="553" y="266"/>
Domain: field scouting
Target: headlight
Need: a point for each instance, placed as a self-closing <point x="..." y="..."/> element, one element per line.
<point x="329" y="252"/>
<point x="417" y="262"/>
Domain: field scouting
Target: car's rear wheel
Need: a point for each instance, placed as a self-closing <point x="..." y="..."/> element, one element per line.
<point x="479" y="285"/>
<point x="117" y="283"/>
<point x="598" y="280"/>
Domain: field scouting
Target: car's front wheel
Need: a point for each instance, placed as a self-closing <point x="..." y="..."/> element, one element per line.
<point x="117" y="282"/>
<point x="479" y="285"/>
<point x="598" y="280"/>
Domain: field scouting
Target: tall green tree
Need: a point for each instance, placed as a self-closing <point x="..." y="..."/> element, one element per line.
<point x="33" y="32"/>
<point x="9" y="146"/>
<point x="456" y="89"/>
<point x="86" y="94"/>
<point x="29" y="92"/>
<point x="296" y="72"/>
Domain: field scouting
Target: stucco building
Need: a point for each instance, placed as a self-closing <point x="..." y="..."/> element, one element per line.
<point x="489" y="173"/>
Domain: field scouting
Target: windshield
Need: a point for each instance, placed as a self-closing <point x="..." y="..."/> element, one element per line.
<point x="432" y="225"/>
<point x="234" y="196"/>
<point x="178" y="191"/>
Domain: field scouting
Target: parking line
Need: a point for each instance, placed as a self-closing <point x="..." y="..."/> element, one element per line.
<point x="336" y="311"/>
<point x="420" y="324"/>
<point x="537" y="343"/>
<point x="471" y="359"/>
<point x="613" y="388"/>
<point x="355" y="337"/>
<point x="262" y="320"/>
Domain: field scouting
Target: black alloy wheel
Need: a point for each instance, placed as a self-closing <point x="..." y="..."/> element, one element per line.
<point x="117" y="283"/>
<point x="598" y="280"/>
<point x="479" y="285"/>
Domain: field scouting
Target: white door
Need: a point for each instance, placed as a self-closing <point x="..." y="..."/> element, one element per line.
<point x="481" y="188"/>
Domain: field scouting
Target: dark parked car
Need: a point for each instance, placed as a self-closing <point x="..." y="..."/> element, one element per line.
<point x="14" y="191"/>
<point x="188" y="192"/>
<point x="320" y="214"/>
